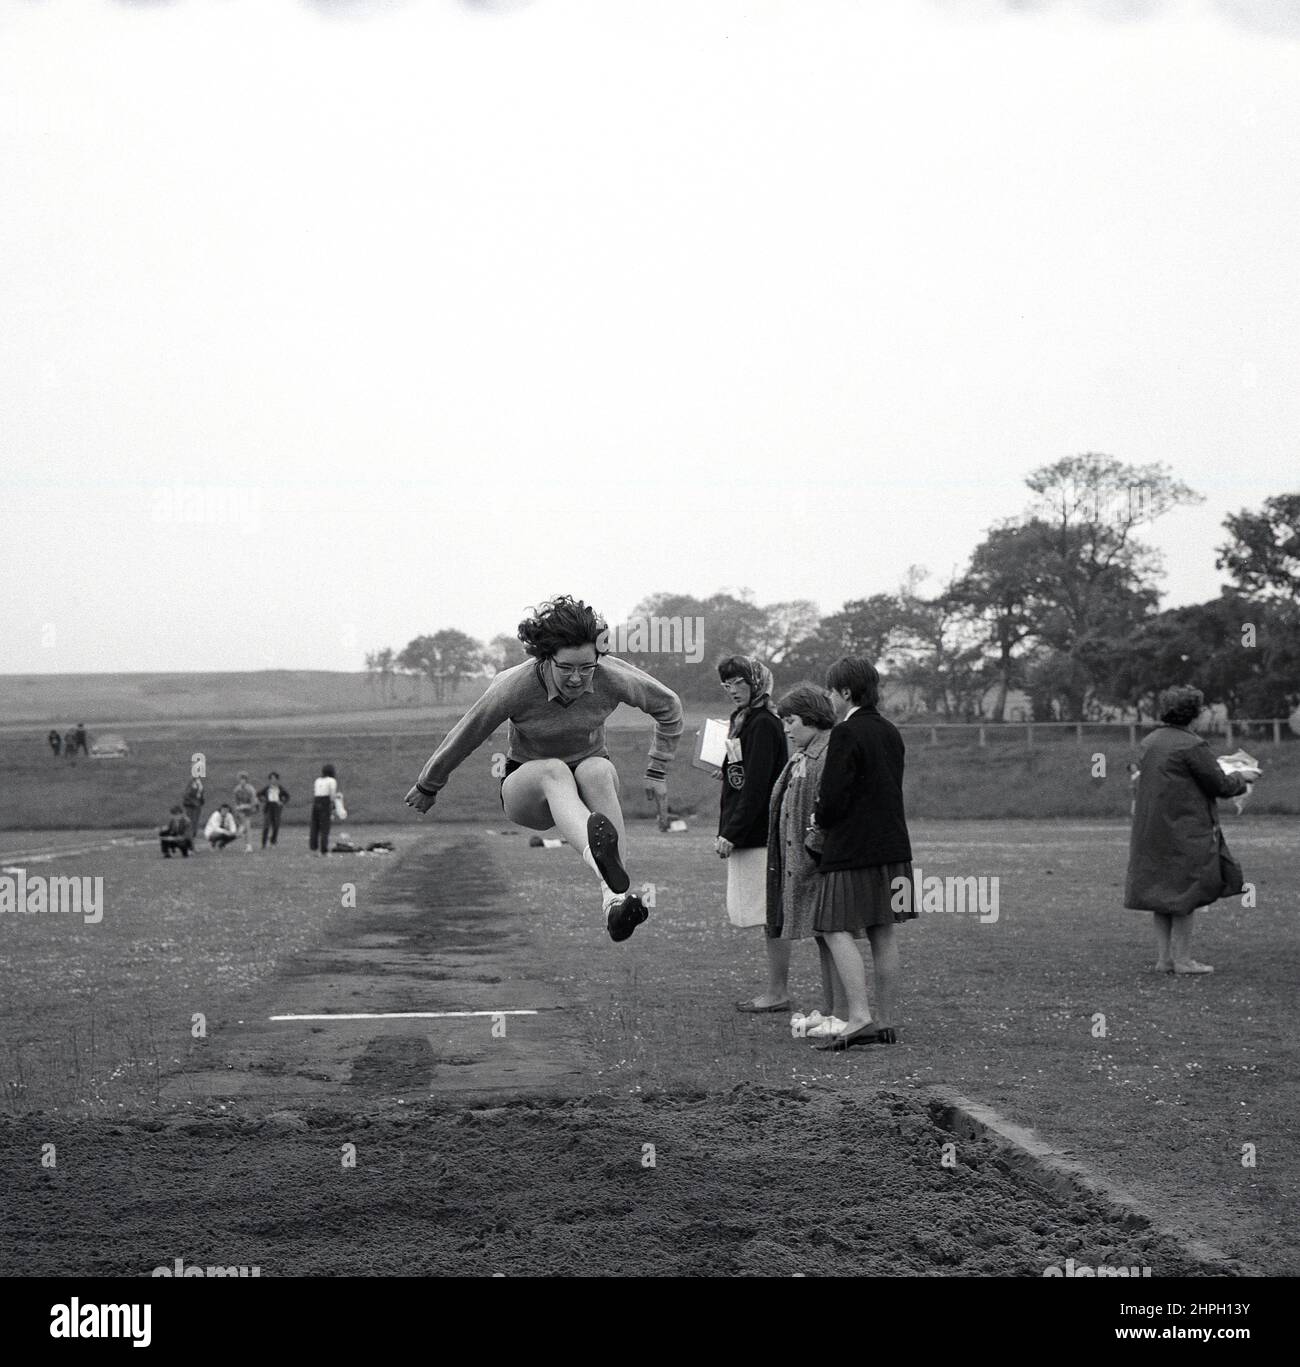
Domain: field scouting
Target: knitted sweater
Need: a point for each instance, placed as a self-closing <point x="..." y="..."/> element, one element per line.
<point x="543" y="725"/>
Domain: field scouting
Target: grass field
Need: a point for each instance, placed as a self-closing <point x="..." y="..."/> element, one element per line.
<point x="948" y="780"/>
<point x="102" y="700"/>
<point x="522" y="1153"/>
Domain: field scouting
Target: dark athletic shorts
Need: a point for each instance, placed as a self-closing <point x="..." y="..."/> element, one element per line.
<point x="513" y="764"/>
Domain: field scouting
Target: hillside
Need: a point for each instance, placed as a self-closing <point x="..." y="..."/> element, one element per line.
<point x="105" y="700"/>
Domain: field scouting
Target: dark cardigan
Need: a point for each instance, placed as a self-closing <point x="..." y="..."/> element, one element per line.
<point x="860" y="803"/>
<point x="747" y="786"/>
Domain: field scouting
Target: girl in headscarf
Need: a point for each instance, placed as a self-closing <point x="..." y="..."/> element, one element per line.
<point x="756" y="754"/>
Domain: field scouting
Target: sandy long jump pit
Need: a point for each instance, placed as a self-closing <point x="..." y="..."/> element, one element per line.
<point x="572" y="1143"/>
<point x="758" y="1182"/>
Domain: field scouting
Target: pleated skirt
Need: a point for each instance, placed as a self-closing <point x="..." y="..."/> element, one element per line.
<point x="856" y="899"/>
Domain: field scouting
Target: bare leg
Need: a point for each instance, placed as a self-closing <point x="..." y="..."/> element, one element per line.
<point x="597" y="781"/>
<point x="1180" y="941"/>
<point x="884" y="971"/>
<point x="833" y="1000"/>
<point x="778" y="973"/>
<point x="853" y="974"/>
<point x="1164" y="956"/>
<point x="543" y="793"/>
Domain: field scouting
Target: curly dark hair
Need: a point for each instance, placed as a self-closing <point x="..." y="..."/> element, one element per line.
<point x="1181" y="705"/>
<point x="561" y="622"/>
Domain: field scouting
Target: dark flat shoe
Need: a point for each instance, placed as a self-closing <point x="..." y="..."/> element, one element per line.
<point x="866" y="1034"/>
<point x="762" y="1010"/>
<point x="603" y="839"/>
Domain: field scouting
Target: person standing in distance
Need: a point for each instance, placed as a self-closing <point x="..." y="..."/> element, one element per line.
<point x="1176" y="845"/>
<point x="245" y="796"/>
<point x="273" y="798"/>
<point x="322" y="808"/>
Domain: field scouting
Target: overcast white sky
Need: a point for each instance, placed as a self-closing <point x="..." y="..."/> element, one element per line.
<point x="326" y="324"/>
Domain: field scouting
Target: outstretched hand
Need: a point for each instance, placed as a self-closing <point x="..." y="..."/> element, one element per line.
<point x="422" y="802"/>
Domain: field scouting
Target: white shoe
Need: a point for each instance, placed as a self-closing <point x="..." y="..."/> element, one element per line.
<point x="830" y="1025"/>
<point x="801" y="1021"/>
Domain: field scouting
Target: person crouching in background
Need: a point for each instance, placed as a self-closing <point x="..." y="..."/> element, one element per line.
<point x="222" y="827"/>
<point x="756" y="754"/>
<point x="176" y="834"/>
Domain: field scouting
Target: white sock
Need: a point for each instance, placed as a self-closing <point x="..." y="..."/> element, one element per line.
<point x="589" y="860"/>
<point x="607" y="895"/>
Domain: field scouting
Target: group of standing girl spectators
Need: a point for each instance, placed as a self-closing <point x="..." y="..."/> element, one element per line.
<point x="814" y="834"/>
<point x="817" y="845"/>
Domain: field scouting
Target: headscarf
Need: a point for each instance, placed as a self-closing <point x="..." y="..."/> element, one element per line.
<point x="759" y="678"/>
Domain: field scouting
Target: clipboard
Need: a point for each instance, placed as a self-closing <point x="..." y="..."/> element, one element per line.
<point x="711" y="747"/>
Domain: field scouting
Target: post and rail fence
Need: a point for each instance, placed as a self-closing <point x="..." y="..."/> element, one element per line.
<point x="1272" y="730"/>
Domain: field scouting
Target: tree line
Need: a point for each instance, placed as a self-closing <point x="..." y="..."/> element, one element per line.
<point x="1057" y="605"/>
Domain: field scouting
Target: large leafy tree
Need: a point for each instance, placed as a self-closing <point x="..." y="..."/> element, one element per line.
<point x="504" y="651"/>
<point x="729" y="624"/>
<point x="863" y="626"/>
<point x="1093" y="579"/>
<point x="1263" y="551"/>
<point x="381" y="666"/>
<point x="937" y="651"/>
<point x="788" y="625"/>
<point x="1239" y="651"/>
<point x="1004" y="592"/>
<point x="447" y="658"/>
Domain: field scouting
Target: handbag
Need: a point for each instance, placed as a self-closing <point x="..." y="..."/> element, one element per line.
<point x="340" y="811"/>
<point x="1231" y="874"/>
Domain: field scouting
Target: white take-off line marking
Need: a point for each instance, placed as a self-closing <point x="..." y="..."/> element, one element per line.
<point x="44" y="856"/>
<point x="398" y="1015"/>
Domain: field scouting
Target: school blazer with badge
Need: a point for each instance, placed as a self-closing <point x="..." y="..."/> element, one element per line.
<point x="747" y="784"/>
<point x="860" y="801"/>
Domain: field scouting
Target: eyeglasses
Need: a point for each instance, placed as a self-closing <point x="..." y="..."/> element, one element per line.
<point x="584" y="671"/>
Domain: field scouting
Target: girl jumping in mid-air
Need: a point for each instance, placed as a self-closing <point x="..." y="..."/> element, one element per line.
<point x="558" y="771"/>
